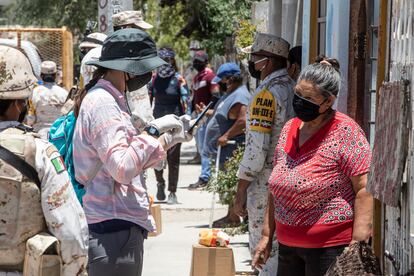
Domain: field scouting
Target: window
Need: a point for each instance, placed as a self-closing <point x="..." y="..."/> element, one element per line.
<point x="373" y="62"/>
<point x="321" y="22"/>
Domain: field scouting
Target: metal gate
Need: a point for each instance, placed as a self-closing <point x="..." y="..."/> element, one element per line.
<point x="398" y="220"/>
<point x="41" y="44"/>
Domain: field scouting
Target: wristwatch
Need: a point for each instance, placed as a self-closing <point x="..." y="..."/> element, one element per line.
<point x="153" y="131"/>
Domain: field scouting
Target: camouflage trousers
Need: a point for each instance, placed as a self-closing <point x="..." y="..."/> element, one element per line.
<point x="256" y="207"/>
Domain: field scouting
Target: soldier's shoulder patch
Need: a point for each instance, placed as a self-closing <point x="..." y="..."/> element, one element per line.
<point x="58" y="164"/>
<point x="262" y="111"/>
<point x="50" y="150"/>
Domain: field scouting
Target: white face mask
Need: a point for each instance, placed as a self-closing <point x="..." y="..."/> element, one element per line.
<point x="192" y="53"/>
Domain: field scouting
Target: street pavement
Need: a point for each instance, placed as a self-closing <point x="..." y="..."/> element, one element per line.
<point x="170" y="253"/>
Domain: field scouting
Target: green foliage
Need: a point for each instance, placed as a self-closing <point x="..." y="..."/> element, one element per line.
<point x="239" y="230"/>
<point x="225" y="184"/>
<point x="167" y="22"/>
<point x="244" y="36"/>
<point x="219" y="20"/>
<point x="54" y="14"/>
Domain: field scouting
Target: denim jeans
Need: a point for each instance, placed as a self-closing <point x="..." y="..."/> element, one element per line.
<point x="297" y="261"/>
<point x="205" y="160"/>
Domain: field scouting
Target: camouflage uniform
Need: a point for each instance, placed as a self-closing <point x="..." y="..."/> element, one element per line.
<point x="46" y="102"/>
<point x="25" y="209"/>
<point x="45" y="107"/>
<point x="270" y="107"/>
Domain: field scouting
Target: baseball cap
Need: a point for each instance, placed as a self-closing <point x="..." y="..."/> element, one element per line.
<point x="48" y="67"/>
<point x="225" y="70"/>
<point x="130" y="17"/>
<point x="93" y="40"/>
<point x="201" y="56"/>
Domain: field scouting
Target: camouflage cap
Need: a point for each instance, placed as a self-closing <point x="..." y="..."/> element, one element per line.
<point x="48" y="67"/>
<point x="16" y="74"/>
<point x="93" y="40"/>
<point x="130" y="18"/>
<point x="269" y="44"/>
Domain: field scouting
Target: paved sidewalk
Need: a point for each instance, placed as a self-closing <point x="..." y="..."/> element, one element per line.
<point x="170" y="253"/>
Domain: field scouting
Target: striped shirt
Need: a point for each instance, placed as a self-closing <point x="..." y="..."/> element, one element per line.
<point x="105" y="140"/>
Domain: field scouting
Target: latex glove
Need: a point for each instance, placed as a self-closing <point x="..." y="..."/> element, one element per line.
<point x="167" y="123"/>
<point x="178" y="135"/>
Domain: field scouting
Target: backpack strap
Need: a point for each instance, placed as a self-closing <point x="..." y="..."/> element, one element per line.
<point x="19" y="164"/>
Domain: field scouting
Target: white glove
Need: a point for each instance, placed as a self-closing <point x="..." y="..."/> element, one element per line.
<point x="178" y="135"/>
<point x="167" y="123"/>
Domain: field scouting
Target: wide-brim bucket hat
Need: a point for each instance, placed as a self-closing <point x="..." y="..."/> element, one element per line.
<point x="129" y="50"/>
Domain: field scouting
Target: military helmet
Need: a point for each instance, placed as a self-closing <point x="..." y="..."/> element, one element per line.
<point x="16" y="74"/>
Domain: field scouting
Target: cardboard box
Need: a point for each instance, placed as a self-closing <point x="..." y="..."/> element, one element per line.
<point x="212" y="261"/>
<point x="155" y="210"/>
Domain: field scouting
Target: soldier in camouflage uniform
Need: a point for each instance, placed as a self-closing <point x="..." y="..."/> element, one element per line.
<point x="270" y="107"/>
<point x="35" y="195"/>
<point x="46" y="101"/>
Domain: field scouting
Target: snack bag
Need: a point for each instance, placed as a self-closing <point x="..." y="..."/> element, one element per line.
<point x="213" y="238"/>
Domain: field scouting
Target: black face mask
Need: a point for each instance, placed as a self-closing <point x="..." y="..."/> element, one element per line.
<point x="138" y="81"/>
<point x="305" y="110"/>
<point x="252" y="70"/>
<point x="223" y="86"/>
<point x="199" y="66"/>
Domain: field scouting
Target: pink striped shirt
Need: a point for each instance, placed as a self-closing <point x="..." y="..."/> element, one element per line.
<point x="105" y="138"/>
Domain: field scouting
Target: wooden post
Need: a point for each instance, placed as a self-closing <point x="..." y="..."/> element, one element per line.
<point x="357" y="96"/>
<point x="378" y="225"/>
<point x="67" y="58"/>
<point x="313" y="45"/>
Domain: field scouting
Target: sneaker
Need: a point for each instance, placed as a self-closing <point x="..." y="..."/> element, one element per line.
<point x="199" y="184"/>
<point x="172" y="199"/>
<point x="160" y="191"/>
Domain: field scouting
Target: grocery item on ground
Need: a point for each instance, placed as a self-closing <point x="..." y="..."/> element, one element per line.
<point x="213" y="238"/>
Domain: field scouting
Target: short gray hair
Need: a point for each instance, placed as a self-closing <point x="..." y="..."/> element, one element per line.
<point x="325" y="77"/>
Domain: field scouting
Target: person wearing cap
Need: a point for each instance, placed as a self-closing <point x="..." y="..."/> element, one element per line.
<point x="138" y="100"/>
<point x="46" y="100"/>
<point x="130" y="19"/>
<point x="107" y="146"/>
<point x="270" y="107"/>
<point x="203" y="90"/>
<point x="91" y="41"/>
<point x="169" y="93"/>
<point x="35" y="188"/>
<point x="228" y="123"/>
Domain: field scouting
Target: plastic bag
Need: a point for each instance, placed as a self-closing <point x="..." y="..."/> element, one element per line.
<point x="213" y="238"/>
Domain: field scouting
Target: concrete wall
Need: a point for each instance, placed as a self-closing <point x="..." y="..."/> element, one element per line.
<point x="260" y="16"/>
<point x="337" y="43"/>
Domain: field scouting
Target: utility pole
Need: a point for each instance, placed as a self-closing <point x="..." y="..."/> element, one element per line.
<point x="107" y="8"/>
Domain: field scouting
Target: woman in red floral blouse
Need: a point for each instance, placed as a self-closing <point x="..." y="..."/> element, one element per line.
<point x="318" y="203"/>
